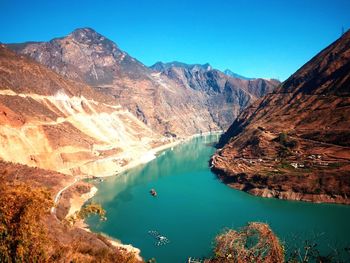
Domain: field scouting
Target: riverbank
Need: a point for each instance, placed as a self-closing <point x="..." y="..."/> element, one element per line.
<point x="271" y="178"/>
<point x="151" y="154"/>
<point x="132" y="211"/>
<point x="77" y="200"/>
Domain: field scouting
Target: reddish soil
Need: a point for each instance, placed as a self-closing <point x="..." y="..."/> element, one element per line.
<point x="295" y="143"/>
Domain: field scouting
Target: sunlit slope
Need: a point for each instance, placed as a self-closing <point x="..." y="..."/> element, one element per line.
<point x="53" y="123"/>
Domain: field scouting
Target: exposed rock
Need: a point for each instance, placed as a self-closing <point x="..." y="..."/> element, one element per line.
<point x="295" y="142"/>
<point x="225" y="96"/>
<point x="161" y="102"/>
<point x="53" y="123"/>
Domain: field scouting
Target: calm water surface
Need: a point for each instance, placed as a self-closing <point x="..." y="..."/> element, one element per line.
<point x="193" y="206"/>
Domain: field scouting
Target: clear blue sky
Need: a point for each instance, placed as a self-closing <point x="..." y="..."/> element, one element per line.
<point x="257" y="38"/>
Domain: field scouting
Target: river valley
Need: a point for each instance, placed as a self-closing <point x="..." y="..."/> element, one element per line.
<point x="192" y="206"/>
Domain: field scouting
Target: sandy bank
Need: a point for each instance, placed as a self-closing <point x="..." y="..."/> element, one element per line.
<point x="143" y="159"/>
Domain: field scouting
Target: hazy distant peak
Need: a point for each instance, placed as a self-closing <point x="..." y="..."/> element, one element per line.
<point x="230" y="73"/>
<point x="160" y="66"/>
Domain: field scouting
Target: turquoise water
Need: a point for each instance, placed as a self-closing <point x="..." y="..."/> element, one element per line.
<point x="193" y="206"/>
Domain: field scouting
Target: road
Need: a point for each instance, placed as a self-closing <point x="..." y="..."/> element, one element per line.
<point x="59" y="195"/>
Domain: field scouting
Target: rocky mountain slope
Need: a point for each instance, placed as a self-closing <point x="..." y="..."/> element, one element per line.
<point x="54" y="123"/>
<point x="226" y="96"/>
<point x="159" y="101"/>
<point x="295" y="142"/>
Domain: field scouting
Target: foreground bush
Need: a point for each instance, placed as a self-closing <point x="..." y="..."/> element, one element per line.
<point x="253" y="243"/>
<point x="23" y="236"/>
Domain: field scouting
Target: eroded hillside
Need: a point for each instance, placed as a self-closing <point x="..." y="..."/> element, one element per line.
<point x="161" y="102"/>
<point x="294" y="143"/>
<point x="58" y="124"/>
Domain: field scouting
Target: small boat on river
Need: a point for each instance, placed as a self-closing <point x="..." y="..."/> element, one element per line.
<point x="153" y="192"/>
<point x="160" y="240"/>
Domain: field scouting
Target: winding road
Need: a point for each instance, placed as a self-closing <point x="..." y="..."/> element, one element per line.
<point x="59" y="195"/>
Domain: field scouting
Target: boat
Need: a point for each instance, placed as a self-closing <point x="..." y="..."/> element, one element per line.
<point x="153" y="192"/>
<point x="160" y="240"/>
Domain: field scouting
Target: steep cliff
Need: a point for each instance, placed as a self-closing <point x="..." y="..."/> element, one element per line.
<point x="295" y="142"/>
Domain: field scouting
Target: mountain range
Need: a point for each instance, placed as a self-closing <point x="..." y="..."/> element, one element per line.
<point x="90" y="108"/>
<point x="163" y="103"/>
<point x="78" y="106"/>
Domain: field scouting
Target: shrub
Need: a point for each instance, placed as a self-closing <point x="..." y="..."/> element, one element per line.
<point x="23" y="236"/>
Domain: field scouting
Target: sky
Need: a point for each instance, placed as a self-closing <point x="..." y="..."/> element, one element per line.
<point x="254" y="38"/>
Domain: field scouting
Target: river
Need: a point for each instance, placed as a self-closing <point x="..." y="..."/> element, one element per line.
<point x="193" y="206"/>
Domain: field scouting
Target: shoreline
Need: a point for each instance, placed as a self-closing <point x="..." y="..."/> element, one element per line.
<point x="76" y="203"/>
<point x="152" y="154"/>
<point x="245" y="183"/>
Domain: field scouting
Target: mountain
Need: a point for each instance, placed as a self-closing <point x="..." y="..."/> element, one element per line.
<point x="160" y="66"/>
<point x="295" y="142"/>
<point x="226" y="96"/>
<point x="235" y="75"/>
<point x="160" y="102"/>
<point x="54" y="123"/>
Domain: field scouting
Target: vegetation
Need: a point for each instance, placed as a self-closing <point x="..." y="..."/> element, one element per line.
<point x="86" y="211"/>
<point x="286" y="144"/>
<point x="253" y="243"/>
<point x="92" y="209"/>
<point x="257" y="243"/>
<point x="23" y="236"/>
<point x="29" y="233"/>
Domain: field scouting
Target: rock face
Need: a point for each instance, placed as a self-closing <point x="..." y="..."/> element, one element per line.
<point x="161" y="102"/>
<point x="54" y="123"/>
<point x="89" y="108"/>
<point x="225" y="96"/>
<point x="295" y="142"/>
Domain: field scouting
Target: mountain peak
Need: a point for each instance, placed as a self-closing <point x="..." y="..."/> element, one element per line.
<point x="88" y="35"/>
<point x="93" y="40"/>
<point x="84" y="29"/>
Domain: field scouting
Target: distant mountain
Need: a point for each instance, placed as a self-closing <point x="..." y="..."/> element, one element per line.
<point x="227" y="96"/>
<point x="160" y="101"/>
<point x="160" y="66"/>
<point x="235" y="75"/>
<point x="295" y="142"/>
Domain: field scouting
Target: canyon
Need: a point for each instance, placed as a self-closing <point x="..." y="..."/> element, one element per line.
<point x="207" y="100"/>
<point x="79" y="107"/>
<point x="89" y="109"/>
